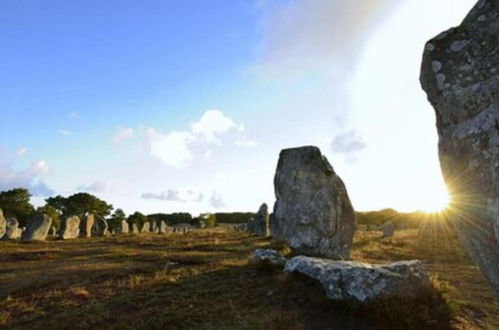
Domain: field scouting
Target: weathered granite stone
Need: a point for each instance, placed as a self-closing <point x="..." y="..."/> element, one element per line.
<point x="70" y="228"/>
<point x="123" y="227"/>
<point x="146" y="227"/>
<point x="37" y="229"/>
<point x="3" y="224"/>
<point x="261" y="224"/>
<point x="356" y="281"/>
<point x="155" y="228"/>
<point x="135" y="229"/>
<point x="101" y="228"/>
<point x="270" y="256"/>
<point x="388" y="229"/>
<point x="12" y="229"/>
<point x="163" y="228"/>
<point x="53" y="231"/>
<point x="464" y="90"/>
<point x="86" y="225"/>
<point x="250" y="225"/>
<point x="312" y="211"/>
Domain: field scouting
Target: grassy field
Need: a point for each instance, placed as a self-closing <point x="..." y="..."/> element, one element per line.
<point x="202" y="280"/>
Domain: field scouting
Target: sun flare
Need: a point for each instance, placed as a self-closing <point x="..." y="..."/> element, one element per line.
<point x="435" y="201"/>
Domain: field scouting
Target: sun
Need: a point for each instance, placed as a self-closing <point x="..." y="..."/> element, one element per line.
<point x="435" y="201"/>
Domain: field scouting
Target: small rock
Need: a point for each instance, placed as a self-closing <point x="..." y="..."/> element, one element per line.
<point x="271" y="256"/>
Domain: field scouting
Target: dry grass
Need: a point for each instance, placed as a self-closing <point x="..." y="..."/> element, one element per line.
<point x="202" y="280"/>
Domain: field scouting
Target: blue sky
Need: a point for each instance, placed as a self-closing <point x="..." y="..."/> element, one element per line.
<point x="183" y="105"/>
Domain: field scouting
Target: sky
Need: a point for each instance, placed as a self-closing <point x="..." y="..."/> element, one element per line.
<point x="184" y="105"/>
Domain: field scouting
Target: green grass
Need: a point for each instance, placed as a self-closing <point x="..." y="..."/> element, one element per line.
<point x="203" y="280"/>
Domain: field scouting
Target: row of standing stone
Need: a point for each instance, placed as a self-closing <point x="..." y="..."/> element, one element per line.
<point x="72" y="227"/>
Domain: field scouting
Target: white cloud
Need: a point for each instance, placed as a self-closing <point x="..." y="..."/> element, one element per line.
<point x="65" y="132"/>
<point x="246" y="143"/>
<point x="217" y="201"/>
<point x="97" y="186"/>
<point x="29" y="178"/>
<point x="73" y="115"/>
<point x="123" y="134"/>
<point x="213" y="123"/>
<point x="347" y="142"/>
<point x="171" y="148"/>
<point x="173" y="195"/>
<point x="21" y="151"/>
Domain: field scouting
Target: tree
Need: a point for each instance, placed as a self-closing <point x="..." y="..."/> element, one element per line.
<point x="16" y="203"/>
<point x="116" y="219"/>
<point x="205" y="220"/>
<point x="80" y="204"/>
<point x="137" y="218"/>
<point x="51" y="212"/>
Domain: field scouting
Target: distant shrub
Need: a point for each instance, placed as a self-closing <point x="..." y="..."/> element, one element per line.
<point x="234" y="217"/>
<point x="171" y="218"/>
<point x="205" y="220"/>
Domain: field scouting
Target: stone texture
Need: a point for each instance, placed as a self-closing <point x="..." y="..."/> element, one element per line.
<point x="101" y="228"/>
<point x="12" y="229"/>
<point x="163" y="228"/>
<point x="53" y="231"/>
<point x="3" y="224"/>
<point x="123" y="227"/>
<point x="86" y="226"/>
<point x="146" y="227"/>
<point x="312" y="212"/>
<point x="356" y="281"/>
<point x="250" y="225"/>
<point x="70" y="228"/>
<point x="155" y="228"/>
<point x="37" y="229"/>
<point x="135" y="229"/>
<point x="261" y="224"/>
<point x="388" y="229"/>
<point x="270" y="256"/>
<point x="460" y="74"/>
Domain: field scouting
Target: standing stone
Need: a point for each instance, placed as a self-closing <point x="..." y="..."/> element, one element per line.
<point x="53" y="231"/>
<point x="312" y="211"/>
<point x="37" y="229"/>
<point x="163" y="228"/>
<point x="261" y="224"/>
<point x="155" y="228"/>
<point x="3" y="224"/>
<point x="101" y="228"/>
<point x="70" y="228"/>
<point x="135" y="229"/>
<point x="123" y="228"/>
<point x="146" y="227"/>
<point x="12" y="229"/>
<point x="388" y="229"/>
<point x="86" y="226"/>
<point x="460" y="74"/>
<point x="250" y="225"/>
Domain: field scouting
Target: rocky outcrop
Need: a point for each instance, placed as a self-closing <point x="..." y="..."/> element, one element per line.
<point x="261" y="223"/>
<point x="355" y="281"/>
<point x="3" y="224"/>
<point x="312" y="212"/>
<point x="87" y="225"/>
<point x="460" y="74"/>
<point x="271" y="257"/>
<point x="12" y="229"/>
<point x="70" y="228"/>
<point x="37" y="229"/>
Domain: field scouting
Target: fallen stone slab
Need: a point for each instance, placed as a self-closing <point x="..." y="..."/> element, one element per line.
<point x="272" y="257"/>
<point x="362" y="282"/>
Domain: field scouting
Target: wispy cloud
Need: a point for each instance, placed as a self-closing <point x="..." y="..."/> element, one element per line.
<point x="97" y="186"/>
<point x="65" y="132"/>
<point x="217" y="201"/>
<point x="347" y="142"/>
<point x="124" y="133"/>
<point x="21" y="151"/>
<point x="173" y="195"/>
<point x="29" y="178"/>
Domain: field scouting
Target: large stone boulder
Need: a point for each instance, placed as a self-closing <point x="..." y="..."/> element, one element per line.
<point x="37" y="229"/>
<point x="3" y="224"/>
<point x="135" y="229"/>
<point x="70" y="228"/>
<point x="356" y="281"/>
<point x="146" y="227"/>
<point x="312" y="212"/>
<point x="163" y="228"/>
<point x="87" y="225"/>
<point x="12" y="229"/>
<point x="261" y="222"/>
<point x="460" y="74"/>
